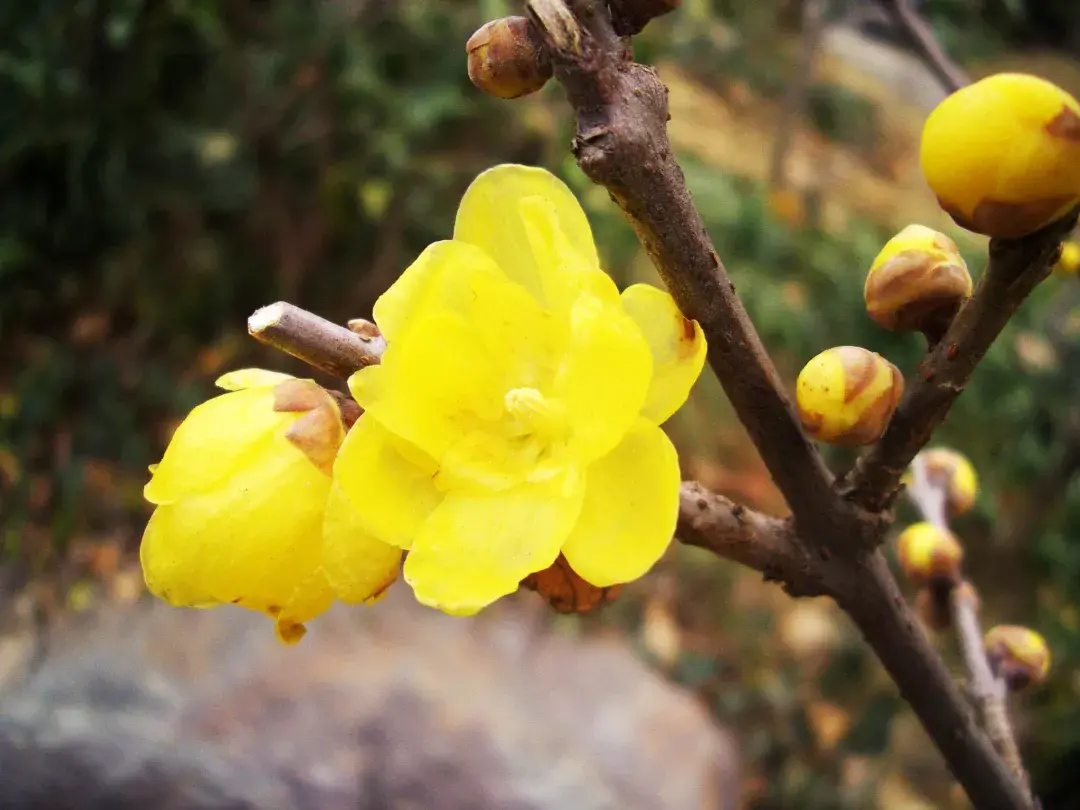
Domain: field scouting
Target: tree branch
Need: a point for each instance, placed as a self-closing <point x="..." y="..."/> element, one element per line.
<point x="760" y="542"/>
<point x="990" y="693"/>
<point x="870" y="596"/>
<point x="921" y="37"/>
<point x="1015" y="267"/>
<point x="318" y="342"/>
<point x="622" y="144"/>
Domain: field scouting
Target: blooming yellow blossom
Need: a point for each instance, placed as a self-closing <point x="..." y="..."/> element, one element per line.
<point x="516" y="412"/>
<point x="1003" y="154"/>
<point x="243" y="497"/>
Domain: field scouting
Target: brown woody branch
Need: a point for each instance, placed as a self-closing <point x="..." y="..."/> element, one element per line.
<point x="1015" y="268"/>
<point x="921" y="36"/>
<point x="929" y="493"/>
<point x="763" y="543"/>
<point x="621" y="144"/>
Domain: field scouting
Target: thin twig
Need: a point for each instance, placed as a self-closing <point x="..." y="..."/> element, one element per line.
<point x="929" y="493"/>
<point x="921" y="36"/>
<point x="1015" y="268"/>
<point x="318" y="342"/>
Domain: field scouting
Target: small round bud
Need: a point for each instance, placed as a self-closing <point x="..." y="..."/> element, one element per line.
<point x="505" y="60"/>
<point x="928" y="553"/>
<point x="956" y="473"/>
<point x="846" y="395"/>
<point x="1003" y="154"/>
<point x="1069" y="261"/>
<point x="1017" y="655"/>
<point x="918" y="281"/>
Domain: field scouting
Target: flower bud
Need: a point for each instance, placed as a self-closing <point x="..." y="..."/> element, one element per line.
<point x="1017" y="655"/>
<point x="1003" y="154"/>
<point x="567" y="592"/>
<point x="918" y="281"/>
<point x="928" y="553"/>
<point x="955" y="472"/>
<point x="1069" y="261"/>
<point x="505" y="60"/>
<point x="846" y="395"/>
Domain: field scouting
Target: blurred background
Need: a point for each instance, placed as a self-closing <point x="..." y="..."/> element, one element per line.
<point x="168" y="166"/>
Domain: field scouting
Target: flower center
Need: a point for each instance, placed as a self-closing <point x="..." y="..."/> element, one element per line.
<point x="535" y="415"/>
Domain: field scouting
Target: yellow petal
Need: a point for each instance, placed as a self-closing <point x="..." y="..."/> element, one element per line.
<point x="564" y="273"/>
<point x="677" y="344"/>
<point x="215" y="438"/>
<point x="254" y="539"/>
<point x="443" y="388"/>
<point x="630" y="509"/>
<point x="476" y="548"/>
<point x="604" y="376"/>
<point x="490" y="216"/>
<point x="359" y="567"/>
<point x="394" y="494"/>
<point x="443" y="274"/>
<point x="250" y="378"/>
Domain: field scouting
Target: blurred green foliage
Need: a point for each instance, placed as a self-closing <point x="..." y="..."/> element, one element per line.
<point x="167" y="166"/>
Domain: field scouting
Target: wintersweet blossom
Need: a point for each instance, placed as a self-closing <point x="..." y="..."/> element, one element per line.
<point x="243" y="495"/>
<point x="516" y="412"/>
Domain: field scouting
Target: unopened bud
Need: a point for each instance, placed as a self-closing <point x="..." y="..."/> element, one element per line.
<point x="917" y="282"/>
<point x="505" y="60"/>
<point x="952" y="470"/>
<point x="1018" y="656"/>
<point x="929" y="554"/>
<point x="846" y="395"/>
<point x="1003" y="154"/>
<point x="1069" y="261"/>
<point x="567" y="592"/>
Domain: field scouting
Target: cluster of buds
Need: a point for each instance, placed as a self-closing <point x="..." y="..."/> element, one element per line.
<point x="846" y="395"/>
<point x="1003" y="154"/>
<point x="1017" y="655"/>
<point x="917" y="282"/>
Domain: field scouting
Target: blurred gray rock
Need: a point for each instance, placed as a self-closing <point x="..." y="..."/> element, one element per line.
<point x="388" y="708"/>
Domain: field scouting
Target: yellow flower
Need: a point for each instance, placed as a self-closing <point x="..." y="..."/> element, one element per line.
<point x="918" y="281"/>
<point x="846" y="395"/>
<point x="1069" y="262"/>
<point x="244" y="495"/>
<point x="515" y="414"/>
<point x="1003" y="154"/>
